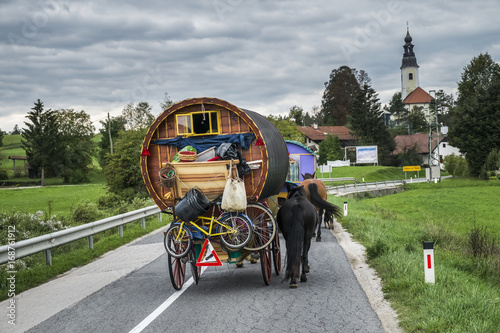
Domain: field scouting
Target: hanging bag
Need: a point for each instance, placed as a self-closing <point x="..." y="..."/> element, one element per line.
<point x="234" y="197"/>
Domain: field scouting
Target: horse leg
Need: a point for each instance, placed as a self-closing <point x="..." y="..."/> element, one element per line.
<point x="321" y="214"/>
<point x="293" y="275"/>
<point x="305" y="260"/>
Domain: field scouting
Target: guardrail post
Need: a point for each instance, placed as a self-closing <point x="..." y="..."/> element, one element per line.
<point x="355" y="188"/>
<point x="366" y="186"/>
<point x="91" y="242"/>
<point x="143" y="223"/>
<point x="160" y="217"/>
<point x="337" y="189"/>
<point x="120" y="231"/>
<point x="48" y="257"/>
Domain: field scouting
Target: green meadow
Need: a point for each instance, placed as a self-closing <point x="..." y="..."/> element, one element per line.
<point x="462" y="218"/>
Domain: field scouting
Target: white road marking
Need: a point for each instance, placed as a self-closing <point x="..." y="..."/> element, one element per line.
<point x="159" y="310"/>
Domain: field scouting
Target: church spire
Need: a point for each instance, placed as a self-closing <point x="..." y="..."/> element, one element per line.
<point x="409" y="67"/>
<point x="409" y="59"/>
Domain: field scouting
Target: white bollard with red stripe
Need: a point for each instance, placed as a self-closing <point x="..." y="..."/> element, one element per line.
<point x="345" y="208"/>
<point x="429" y="262"/>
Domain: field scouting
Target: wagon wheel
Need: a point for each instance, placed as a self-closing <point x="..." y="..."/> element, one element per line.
<point x="276" y="254"/>
<point x="264" y="226"/>
<point x="177" y="271"/>
<point x="195" y="270"/>
<point x="266" y="264"/>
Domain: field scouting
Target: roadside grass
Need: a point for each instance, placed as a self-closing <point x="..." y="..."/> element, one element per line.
<point x="370" y="173"/>
<point x="73" y="255"/>
<point x="466" y="295"/>
<point x="53" y="200"/>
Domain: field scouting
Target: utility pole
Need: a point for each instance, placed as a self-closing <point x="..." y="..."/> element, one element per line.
<point x="434" y="158"/>
<point x="109" y="133"/>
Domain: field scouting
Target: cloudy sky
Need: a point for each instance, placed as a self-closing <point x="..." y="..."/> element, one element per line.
<point x="262" y="55"/>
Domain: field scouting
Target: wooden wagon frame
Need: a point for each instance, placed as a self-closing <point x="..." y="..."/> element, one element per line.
<point x="205" y="123"/>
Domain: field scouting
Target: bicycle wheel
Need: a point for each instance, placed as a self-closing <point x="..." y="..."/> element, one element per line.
<point x="264" y="226"/>
<point x="177" y="241"/>
<point x="242" y="227"/>
<point x="177" y="271"/>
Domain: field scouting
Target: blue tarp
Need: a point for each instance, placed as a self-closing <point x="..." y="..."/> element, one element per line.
<point x="202" y="143"/>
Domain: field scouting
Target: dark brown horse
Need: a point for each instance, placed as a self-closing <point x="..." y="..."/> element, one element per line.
<point x="316" y="193"/>
<point x="297" y="218"/>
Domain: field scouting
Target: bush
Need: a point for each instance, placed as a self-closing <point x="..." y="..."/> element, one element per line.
<point x="377" y="249"/>
<point x="85" y="212"/>
<point x="28" y="225"/>
<point x="137" y="203"/>
<point x="108" y="201"/>
<point x="456" y="165"/>
<point x="482" y="243"/>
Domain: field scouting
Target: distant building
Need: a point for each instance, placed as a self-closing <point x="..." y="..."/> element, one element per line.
<point x="315" y="134"/>
<point x="420" y="141"/>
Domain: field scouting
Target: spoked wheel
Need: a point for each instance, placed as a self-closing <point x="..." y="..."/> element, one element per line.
<point x="177" y="240"/>
<point x="266" y="264"/>
<point x="276" y="254"/>
<point x="264" y="226"/>
<point x="195" y="270"/>
<point x="243" y="227"/>
<point x="177" y="271"/>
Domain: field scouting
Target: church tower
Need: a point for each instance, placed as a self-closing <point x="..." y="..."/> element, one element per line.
<point x="409" y="68"/>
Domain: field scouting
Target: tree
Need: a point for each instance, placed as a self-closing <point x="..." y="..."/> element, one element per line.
<point x="366" y="123"/>
<point x="41" y="139"/>
<point x="110" y="127"/>
<point x="338" y="96"/>
<point x="330" y="149"/>
<point x="16" y="130"/>
<point x="296" y="115"/>
<point x="123" y="172"/>
<point x="444" y="103"/>
<point x="1" y="138"/>
<point x="492" y="160"/>
<point x="416" y="121"/>
<point x="76" y="148"/>
<point x="397" y="109"/>
<point x="139" y="116"/>
<point x="475" y="119"/>
<point x="166" y="103"/>
<point x="288" y="129"/>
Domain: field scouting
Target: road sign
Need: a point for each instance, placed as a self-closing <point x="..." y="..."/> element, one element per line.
<point x="411" y="168"/>
<point x="208" y="256"/>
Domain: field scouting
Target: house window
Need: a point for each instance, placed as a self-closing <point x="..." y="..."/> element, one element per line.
<point x="410" y="76"/>
<point x="198" y="123"/>
<point x="444" y="145"/>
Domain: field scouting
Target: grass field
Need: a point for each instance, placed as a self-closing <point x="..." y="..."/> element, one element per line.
<point x="370" y="173"/>
<point x="60" y="200"/>
<point x="466" y="295"/>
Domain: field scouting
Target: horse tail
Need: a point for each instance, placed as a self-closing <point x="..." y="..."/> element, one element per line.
<point x="294" y="242"/>
<point x="318" y="201"/>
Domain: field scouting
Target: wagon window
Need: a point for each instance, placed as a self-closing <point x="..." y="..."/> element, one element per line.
<point x="184" y="125"/>
<point x="198" y="123"/>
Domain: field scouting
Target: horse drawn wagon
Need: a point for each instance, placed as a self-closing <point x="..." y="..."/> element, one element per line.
<point x="189" y="154"/>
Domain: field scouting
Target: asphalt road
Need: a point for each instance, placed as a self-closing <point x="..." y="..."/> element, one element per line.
<point x="111" y="297"/>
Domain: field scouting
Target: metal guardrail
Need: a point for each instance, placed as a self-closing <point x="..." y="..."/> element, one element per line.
<point x="46" y="242"/>
<point x="342" y="179"/>
<point x="362" y="187"/>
